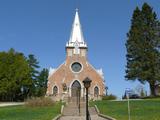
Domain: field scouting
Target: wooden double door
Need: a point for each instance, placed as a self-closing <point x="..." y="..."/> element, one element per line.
<point x="76" y="91"/>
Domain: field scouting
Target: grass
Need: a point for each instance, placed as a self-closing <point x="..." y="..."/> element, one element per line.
<point x="140" y="109"/>
<point x="28" y="113"/>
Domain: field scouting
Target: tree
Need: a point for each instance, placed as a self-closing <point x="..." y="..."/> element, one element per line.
<point x="33" y="64"/>
<point x="14" y="75"/>
<point x="42" y="83"/>
<point x="143" y="53"/>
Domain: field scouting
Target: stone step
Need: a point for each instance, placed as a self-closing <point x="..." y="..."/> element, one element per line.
<point x="76" y="104"/>
<point x="93" y="117"/>
<point x="76" y="98"/>
<point x="92" y="111"/>
<point x="72" y="110"/>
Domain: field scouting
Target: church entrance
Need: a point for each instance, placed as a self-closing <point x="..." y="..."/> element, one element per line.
<point x="76" y="91"/>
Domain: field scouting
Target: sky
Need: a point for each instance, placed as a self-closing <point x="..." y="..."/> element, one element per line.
<point x="42" y="28"/>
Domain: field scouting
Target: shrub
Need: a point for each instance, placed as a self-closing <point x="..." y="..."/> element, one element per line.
<point x="39" y="102"/>
<point x="151" y="97"/>
<point x="109" y="97"/>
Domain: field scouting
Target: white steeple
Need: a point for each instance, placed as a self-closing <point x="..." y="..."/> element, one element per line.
<point x="76" y="37"/>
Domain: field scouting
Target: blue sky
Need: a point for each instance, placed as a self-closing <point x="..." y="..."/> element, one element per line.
<point x="42" y="27"/>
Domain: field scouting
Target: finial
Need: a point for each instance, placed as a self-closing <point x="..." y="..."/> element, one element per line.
<point x="76" y="9"/>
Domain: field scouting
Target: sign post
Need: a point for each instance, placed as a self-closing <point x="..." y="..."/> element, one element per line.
<point x="129" y="112"/>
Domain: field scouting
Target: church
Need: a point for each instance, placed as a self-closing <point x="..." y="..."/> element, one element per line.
<point x="65" y="82"/>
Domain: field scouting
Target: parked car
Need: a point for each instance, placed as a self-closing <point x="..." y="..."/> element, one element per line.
<point x="134" y="96"/>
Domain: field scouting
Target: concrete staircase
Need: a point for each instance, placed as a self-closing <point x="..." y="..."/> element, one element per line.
<point x="71" y="112"/>
<point x="72" y="109"/>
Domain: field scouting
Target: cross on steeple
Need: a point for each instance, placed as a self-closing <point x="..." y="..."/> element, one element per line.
<point x="76" y="9"/>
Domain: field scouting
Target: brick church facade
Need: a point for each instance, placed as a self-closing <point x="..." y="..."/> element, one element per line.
<point x="66" y="81"/>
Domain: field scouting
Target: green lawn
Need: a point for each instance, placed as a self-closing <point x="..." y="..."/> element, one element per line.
<point x="27" y="113"/>
<point x="140" y="109"/>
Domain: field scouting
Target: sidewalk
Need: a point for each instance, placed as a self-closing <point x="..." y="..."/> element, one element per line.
<point x="3" y="104"/>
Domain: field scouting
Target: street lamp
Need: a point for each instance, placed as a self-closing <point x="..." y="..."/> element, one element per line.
<point x="87" y="83"/>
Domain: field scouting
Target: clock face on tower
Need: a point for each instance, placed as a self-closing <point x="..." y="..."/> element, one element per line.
<point x="76" y="67"/>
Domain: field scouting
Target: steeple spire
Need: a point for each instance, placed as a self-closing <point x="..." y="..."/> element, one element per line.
<point x="76" y="37"/>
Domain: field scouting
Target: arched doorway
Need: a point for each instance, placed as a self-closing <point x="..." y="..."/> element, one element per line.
<point x="76" y="89"/>
<point x="96" y="91"/>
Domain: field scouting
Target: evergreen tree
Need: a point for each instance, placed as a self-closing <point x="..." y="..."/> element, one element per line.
<point x="42" y="83"/>
<point x="143" y="54"/>
<point x="33" y="64"/>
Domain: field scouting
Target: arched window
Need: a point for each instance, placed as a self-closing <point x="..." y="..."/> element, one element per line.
<point x="55" y="90"/>
<point x="96" y="91"/>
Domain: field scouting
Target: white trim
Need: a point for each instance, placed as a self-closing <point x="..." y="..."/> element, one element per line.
<point x="87" y="63"/>
<point x="56" y="69"/>
<point x="76" y="33"/>
<point x="76" y="62"/>
<point x="96" y="71"/>
<point x="70" y="87"/>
